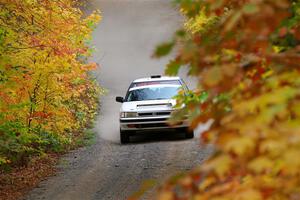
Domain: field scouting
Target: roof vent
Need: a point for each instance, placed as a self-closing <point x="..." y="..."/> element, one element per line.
<point x="156" y="76"/>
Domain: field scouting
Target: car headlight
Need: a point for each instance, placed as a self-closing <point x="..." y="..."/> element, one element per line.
<point x="128" y="114"/>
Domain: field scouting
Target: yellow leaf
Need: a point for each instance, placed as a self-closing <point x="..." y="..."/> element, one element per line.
<point x="165" y="195"/>
<point x="240" y="145"/>
<point x="212" y="76"/>
<point x="291" y="161"/>
<point x="220" y="165"/>
<point x="206" y="183"/>
<point x="260" y="164"/>
<point x="248" y="194"/>
<point x="274" y="147"/>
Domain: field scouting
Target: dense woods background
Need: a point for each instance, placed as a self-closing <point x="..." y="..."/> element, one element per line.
<point x="47" y="97"/>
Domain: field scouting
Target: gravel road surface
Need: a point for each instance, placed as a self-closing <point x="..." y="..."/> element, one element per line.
<point x="125" y="40"/>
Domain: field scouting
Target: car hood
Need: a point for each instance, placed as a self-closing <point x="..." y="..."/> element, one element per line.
<point x="136" y="106"/>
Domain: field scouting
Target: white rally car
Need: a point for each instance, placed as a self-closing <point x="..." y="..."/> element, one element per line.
<point x="148" y="105"/>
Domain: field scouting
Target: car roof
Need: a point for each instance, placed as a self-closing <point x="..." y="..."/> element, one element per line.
<point x="157" y="78"/>
<point x="154" y="86"/>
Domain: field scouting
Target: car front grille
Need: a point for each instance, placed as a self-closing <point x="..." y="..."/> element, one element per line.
<point x="151" y="114"/>
<point x="144" y="120"/>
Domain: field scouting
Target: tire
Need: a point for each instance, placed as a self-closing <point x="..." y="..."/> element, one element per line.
<point x="124" y="137"/>
<point x="189" y="134"/>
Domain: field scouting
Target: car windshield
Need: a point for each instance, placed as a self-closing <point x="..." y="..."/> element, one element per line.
<point x="155" y="92"/>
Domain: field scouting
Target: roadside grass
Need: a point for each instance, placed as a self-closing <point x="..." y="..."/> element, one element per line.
<point x="18" y="181"/>
<point x="15" y="182"/>
<point x="87" y="139"/>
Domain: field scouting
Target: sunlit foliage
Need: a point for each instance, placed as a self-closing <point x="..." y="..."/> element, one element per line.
<point x="246" y="56"/>
<point x="46" y="93"/>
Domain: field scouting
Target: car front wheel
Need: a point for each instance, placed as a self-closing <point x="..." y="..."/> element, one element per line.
<point x="124" y="137"/>
<point x="188" y="133"/>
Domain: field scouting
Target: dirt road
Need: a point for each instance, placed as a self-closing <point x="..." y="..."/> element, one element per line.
<point x="125" y="40"/>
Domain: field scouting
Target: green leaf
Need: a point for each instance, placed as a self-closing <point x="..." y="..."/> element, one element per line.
<point x="180" y="33"/>
<point x="146" y="186"/>
<point x="164" y="49"/>
<point x="203" y="96"/>
<point x="250" y="8"/>
<point x="172" y="68"/>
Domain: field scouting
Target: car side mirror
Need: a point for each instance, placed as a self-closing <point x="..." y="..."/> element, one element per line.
<point x="120" y="99"/>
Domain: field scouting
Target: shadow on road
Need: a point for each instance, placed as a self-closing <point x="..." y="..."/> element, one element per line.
<point x="156" y="136"/>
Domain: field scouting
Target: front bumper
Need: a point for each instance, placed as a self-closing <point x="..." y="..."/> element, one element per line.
<point x="149" y="123"/>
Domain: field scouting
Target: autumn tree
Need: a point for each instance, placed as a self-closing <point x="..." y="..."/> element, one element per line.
<point x="245" y="54"/>
<point x="46" y="93"/>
